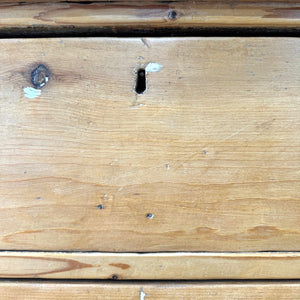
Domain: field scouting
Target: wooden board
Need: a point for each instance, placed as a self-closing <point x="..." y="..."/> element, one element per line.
<point x="207" y="159"/>
<point x="14" y="290"/>
<point x="155" y="266"/>
<point x="134" y="15"/>
<point x="143" y="2"/>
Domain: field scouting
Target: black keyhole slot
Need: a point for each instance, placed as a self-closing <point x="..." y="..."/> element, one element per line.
<point x="140" y="86"/>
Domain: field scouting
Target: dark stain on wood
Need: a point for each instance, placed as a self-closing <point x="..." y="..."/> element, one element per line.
<point x="285" y="13"/>
<point x="121" y="266"/>
<point x="255" y="233"/>
<point x="264" y="232"/>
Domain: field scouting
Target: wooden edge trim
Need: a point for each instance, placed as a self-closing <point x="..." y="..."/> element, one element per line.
<point x="150" y="14"/>
<point x="155" y="266"/>
<point x="145" y="291"/>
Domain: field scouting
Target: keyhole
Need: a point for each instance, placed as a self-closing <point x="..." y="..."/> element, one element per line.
<point x="140" y="86"/>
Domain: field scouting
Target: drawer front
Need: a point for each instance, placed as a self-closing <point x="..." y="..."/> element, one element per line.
<point x="206" y="159"/>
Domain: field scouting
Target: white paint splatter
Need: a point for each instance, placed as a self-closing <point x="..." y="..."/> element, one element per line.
<point x="142" y="294"/>
<point x="31" y="92"/>
<point x="153" y="67"/>
<point x="46" y="80"/>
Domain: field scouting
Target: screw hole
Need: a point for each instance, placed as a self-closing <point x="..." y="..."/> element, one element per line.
<point x="140" y="86"/>
<point x="173" y="15"/>
<point x="149" y="216"/>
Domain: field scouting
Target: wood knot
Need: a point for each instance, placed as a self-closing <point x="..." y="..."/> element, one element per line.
<point x="40" y="76"/>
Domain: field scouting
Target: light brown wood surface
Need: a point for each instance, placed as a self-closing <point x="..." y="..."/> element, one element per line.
<point x="211" y="150"/>
<point x="14" y="290"/>
<point x="143" y="2"/>
<point x="149" y="14"/>
<point x="155" y="266"/>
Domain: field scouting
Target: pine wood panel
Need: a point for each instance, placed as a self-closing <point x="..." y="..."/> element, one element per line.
<point x="14" y="290"/>
<point x="143" y="2"/>
<point x="149" y="14"/>
<point x="206" y="160"/>
<point x="155" y="266"/>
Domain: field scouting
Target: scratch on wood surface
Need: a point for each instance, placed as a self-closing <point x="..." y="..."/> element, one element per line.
<point x="208" y="146"/>
<point x="146" y="42"/>
<point x="233" y="134"/>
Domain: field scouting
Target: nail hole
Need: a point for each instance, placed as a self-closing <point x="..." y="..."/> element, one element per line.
<point x="149" y="216"/>
<point x="173" y="15"/>
<point x="140" y="86"/>
<point x="100" y="206"/>
<point x="114" y="277"/>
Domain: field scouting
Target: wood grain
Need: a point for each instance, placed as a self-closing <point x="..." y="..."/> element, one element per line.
<point x="14" y="290"/>
<point x="206" y="160"/>
<point x="149" y="14"/>
<point x="155" y="266"/>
